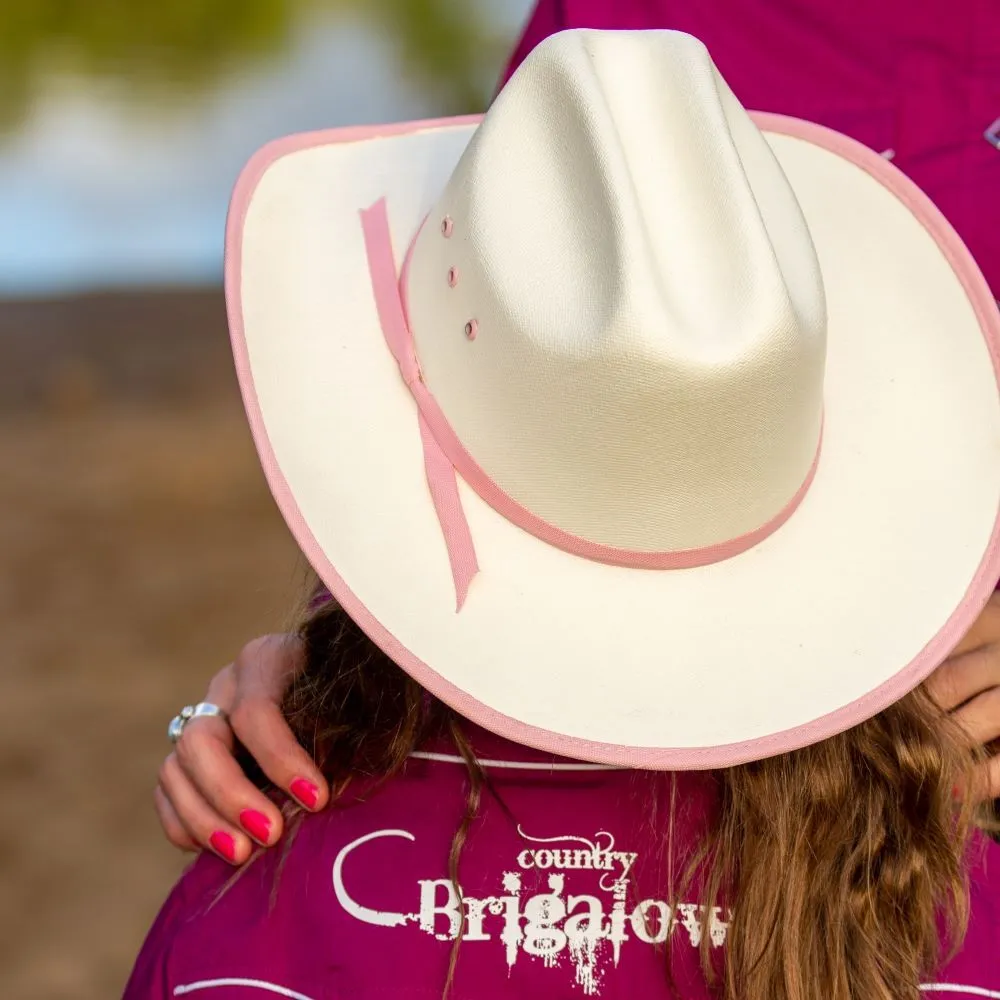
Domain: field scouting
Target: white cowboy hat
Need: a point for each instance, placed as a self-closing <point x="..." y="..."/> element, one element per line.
<point x="676" y="445"/>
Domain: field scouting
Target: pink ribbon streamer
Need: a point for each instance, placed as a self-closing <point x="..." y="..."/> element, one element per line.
<point x="445" y="456"/>
<point x="441" y="476"/>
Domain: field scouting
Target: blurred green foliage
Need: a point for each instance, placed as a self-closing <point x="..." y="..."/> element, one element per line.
<point x="171" y="46"/>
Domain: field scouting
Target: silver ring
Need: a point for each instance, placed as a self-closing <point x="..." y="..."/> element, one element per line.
<point x="203" y="709"/>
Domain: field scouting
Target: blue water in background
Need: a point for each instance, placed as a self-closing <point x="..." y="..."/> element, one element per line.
<point x="97" y="191"/>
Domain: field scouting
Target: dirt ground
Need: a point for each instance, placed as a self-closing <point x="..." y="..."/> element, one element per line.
<point x="139" y="549"/>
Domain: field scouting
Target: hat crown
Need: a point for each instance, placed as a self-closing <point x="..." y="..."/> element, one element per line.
<point x="645" y="300"/>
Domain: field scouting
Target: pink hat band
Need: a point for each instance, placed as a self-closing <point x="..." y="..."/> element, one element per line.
<point x="445" y="455"/>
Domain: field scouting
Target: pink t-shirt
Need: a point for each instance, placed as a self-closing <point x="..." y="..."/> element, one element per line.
<point x="564" y="884"/>
<point x="916" y="77"/>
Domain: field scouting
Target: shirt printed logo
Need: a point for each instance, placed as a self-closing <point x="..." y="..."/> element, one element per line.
<point x="588" y="929"/>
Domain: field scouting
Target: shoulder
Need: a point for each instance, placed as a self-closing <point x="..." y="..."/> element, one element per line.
<point x="975" y="969"/>
<point x="192" y="895"/>
<point x="287" y="921"/>
<point x="245" y="930"/>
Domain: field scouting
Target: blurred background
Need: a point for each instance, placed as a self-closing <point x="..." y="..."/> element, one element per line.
<point x="140" y="547"/>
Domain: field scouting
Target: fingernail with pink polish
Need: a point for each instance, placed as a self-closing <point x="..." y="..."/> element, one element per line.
<point x="306" y="792"/>
<point x="256" y="824"/>
<point x="223" y="843"/>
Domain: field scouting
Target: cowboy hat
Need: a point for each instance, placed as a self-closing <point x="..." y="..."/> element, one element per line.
<point x="637" y="428"/>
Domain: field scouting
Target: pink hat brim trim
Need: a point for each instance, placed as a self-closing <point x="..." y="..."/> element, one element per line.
<point x="655" y="758"/>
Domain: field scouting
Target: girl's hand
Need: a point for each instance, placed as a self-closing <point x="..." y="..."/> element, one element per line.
<point x="968" y="686"/>
<point x="204" y="799"/>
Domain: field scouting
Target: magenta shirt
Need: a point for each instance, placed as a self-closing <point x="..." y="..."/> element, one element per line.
<point x="564" y="886"/>
<point x="917" y="77"/>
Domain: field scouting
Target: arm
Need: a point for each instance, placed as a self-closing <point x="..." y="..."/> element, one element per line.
<point x="149" y="979"/>
<point x="203" y="790"/>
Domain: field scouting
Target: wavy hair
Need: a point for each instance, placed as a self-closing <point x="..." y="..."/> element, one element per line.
<point x="844" y="865"/>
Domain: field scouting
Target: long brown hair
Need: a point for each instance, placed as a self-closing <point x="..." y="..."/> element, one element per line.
<point x="843" y="865"/>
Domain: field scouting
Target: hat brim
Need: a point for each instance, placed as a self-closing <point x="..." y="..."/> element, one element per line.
<point x="847" y="607"/>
